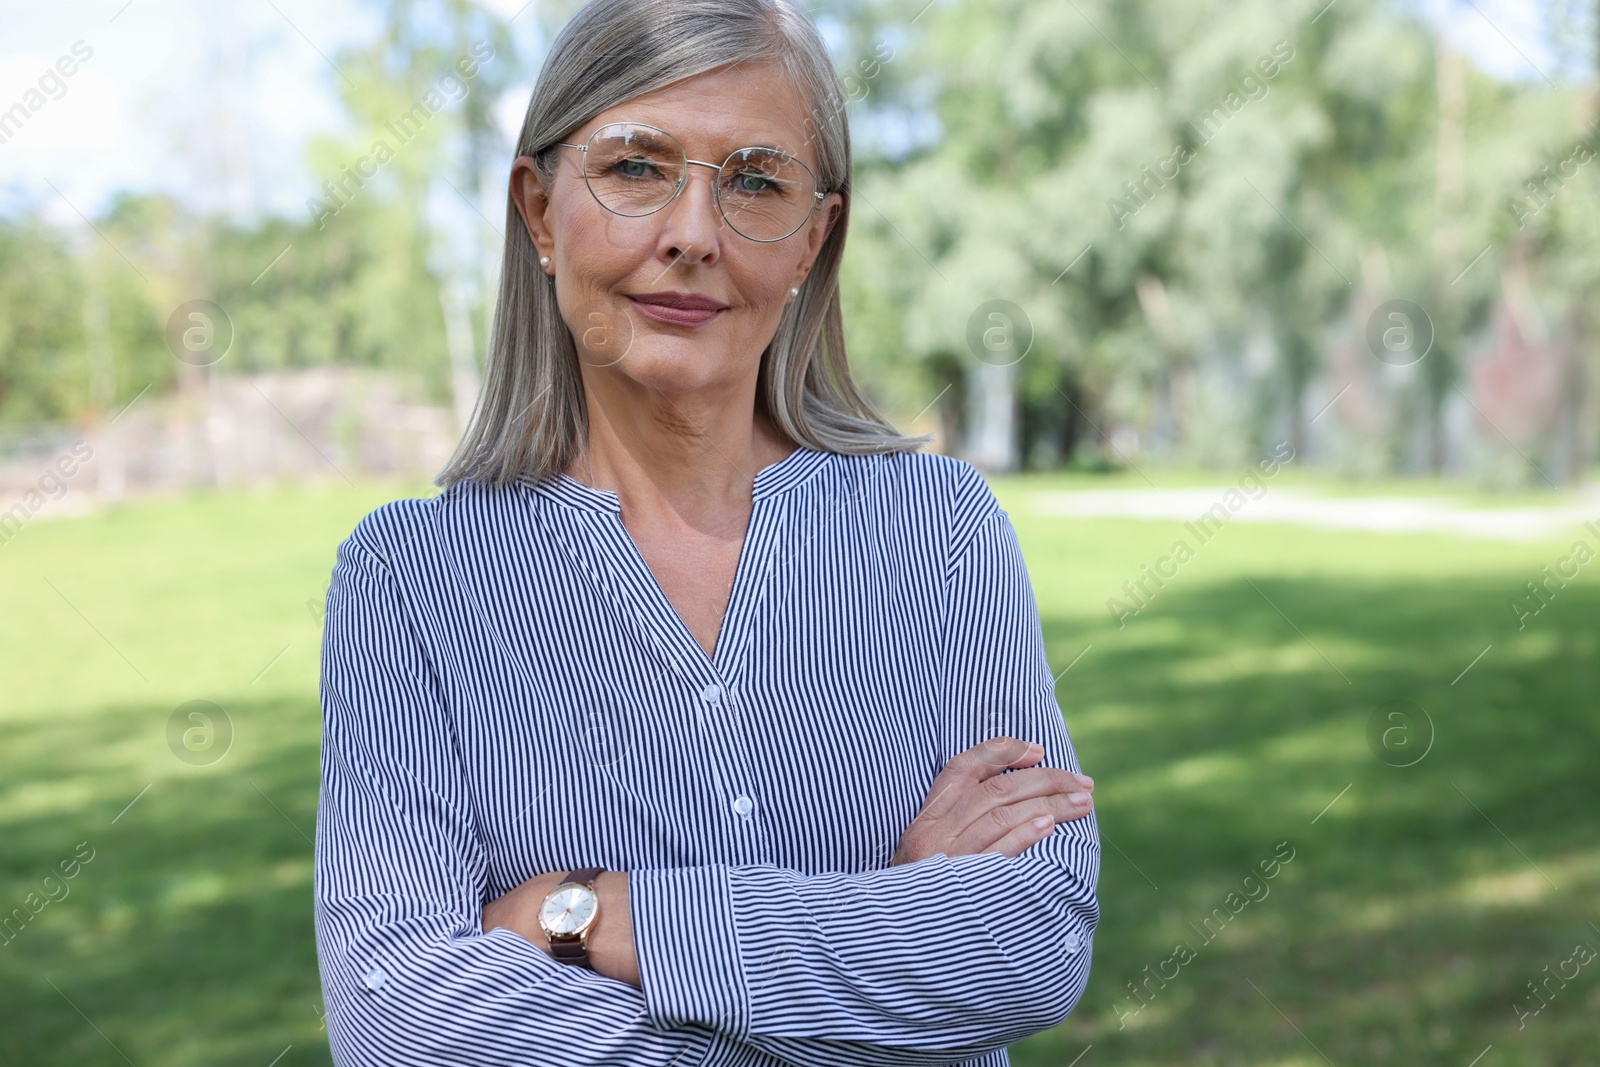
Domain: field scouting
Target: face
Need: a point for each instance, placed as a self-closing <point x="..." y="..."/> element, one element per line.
<point x="613" y="270"/>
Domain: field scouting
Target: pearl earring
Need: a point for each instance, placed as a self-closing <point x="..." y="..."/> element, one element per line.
<point x="544" y="261"/>
<point x="793" y="291"/>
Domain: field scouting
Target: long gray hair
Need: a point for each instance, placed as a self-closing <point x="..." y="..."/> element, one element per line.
<point x="531" y="417"/>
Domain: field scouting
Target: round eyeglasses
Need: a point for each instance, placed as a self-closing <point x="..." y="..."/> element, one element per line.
<point x="633" y="170"/>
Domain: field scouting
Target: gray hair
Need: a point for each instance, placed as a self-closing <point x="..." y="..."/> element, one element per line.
<point x="530" y="418"/>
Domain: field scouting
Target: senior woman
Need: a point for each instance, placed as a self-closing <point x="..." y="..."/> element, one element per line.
<point x="700" y="719"/>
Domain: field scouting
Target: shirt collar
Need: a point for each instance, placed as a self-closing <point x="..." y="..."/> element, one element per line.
<point x="770" y="481"/>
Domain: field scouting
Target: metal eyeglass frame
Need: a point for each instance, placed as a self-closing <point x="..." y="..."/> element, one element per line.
<point x="817" y="195"/>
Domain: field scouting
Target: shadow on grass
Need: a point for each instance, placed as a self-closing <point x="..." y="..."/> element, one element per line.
<point x="1403" y="931"/>
<point x="1421" y="900"/>
<point x="187" y="937"/>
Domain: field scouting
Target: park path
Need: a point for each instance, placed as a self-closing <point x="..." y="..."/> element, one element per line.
<point x="1385" y="514"/>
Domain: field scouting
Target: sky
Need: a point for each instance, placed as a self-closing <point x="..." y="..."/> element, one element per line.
<point x="170" y="83"/>
<point x="175" y="81"/>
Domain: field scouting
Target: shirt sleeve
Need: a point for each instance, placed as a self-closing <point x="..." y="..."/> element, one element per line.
<point x="927" y="963"/>
<point x="408" y="975"/>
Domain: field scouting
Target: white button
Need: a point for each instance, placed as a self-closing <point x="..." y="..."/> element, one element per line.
<point x="711" y="694"/>
<point x="744" y="805"/>
<point x="1073" y="944"/>
<point x="376" y="978"/>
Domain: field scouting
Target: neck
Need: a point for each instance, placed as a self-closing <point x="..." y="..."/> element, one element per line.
<point x="689" y="454"/>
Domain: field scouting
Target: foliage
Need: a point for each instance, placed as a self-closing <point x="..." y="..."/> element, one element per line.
<point x="1194" y="205"/>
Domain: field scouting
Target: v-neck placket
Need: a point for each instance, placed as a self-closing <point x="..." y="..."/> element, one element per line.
<point x="714" y="683"/>
<point x="636" y="584"/>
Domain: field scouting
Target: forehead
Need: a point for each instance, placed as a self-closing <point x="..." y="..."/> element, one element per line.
<point x="722" y="110"/>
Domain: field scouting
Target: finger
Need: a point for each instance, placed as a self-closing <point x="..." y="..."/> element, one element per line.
<point x="996" y="755"/>
<point x="991" y="752"/>
<point x="1002" y="821"/>
<point x="1053" y="779"/>
<point x="980" y="796"/>
<point x="994" y="822"/>
<point x="1066" y="778"/>
<point x="1040" y="785"/>
<point x="994" y="751"/>
<point x="982" y="761"/>
<point x="1073" y="806"/>
<point x="1022" y="837"/>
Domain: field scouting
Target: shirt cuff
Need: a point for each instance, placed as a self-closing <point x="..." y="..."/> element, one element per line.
<point x="688" y="949"/>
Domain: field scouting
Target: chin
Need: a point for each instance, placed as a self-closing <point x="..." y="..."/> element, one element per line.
<point x="669" y="365"/>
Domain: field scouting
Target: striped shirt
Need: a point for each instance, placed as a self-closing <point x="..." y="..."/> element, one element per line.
<point x="506" y="692"/>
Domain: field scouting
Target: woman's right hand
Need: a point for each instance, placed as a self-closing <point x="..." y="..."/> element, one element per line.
<point x="972" y="807"/>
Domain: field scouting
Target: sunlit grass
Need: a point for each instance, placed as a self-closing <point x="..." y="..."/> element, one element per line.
<point x="1223" y="719"/>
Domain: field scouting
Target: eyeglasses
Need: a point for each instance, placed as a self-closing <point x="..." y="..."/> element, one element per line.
<point x="635" y="170"/>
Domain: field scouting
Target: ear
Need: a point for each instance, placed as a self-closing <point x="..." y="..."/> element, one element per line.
<point x="816" y="233"/>
<point x="533" y="204"/>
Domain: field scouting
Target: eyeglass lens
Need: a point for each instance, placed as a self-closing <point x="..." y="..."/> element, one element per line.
<point x="634" y="170"/>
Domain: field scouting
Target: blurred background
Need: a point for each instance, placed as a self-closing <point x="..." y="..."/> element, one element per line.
<point x="1276" y="327"/>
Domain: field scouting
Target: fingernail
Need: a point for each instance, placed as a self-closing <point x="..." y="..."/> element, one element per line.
<point x="1085" y="779"/>
<point x="1078" y="798"/>
<point x="1042" y="822"/>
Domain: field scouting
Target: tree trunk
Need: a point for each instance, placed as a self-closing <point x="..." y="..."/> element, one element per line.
<point x="1449" y="194"/>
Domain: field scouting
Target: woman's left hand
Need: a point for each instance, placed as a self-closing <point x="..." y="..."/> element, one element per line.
<point x="610" y="939"/>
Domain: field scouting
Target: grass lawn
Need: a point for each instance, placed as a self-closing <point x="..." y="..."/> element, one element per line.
<point x="1237" y="711"/>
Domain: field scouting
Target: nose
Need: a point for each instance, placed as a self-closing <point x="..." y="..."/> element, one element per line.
<point x="691" y="225"/>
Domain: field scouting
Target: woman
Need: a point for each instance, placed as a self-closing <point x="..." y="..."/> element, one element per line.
<point x="691" y="634"/>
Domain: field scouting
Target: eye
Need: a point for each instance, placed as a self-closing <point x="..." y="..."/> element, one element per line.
<point x="752" y="182"/>
<point x="634" y="168"/>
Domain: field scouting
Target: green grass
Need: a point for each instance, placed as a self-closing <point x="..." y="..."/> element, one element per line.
<point x="1220" y="721"/>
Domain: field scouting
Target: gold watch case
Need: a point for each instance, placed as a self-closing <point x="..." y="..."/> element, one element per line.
<point x="569" y="911"/>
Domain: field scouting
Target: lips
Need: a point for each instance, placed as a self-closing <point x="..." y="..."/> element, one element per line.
<point x="678" y="309"/>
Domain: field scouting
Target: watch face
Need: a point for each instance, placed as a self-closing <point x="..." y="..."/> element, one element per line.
<point x="570" y="909"/>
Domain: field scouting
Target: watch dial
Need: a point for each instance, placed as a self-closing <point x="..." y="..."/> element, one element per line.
<point x="583" y="907"/>
<point x="568" y="910"/>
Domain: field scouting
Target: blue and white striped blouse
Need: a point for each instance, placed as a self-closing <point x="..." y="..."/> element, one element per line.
<point x="506" y="691"/>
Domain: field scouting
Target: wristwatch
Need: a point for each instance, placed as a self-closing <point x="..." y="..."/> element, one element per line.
<point x="568" y="913"/>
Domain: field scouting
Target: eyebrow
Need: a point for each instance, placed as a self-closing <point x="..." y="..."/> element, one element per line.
<point x="738" y="144"/>
<point x="763" y="147"/>
<point x="645" y="138"/>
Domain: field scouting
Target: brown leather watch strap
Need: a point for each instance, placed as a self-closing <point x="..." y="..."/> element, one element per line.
<point x="573" y="949"/>
<point x="583" y="876"/>
<point x="570" y="952"/>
